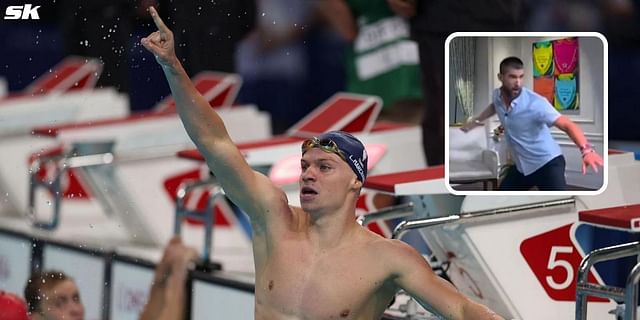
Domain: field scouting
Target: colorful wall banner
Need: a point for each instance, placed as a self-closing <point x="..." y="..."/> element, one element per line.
<point x="542" y="59"/>
<point x="555" y="72"/>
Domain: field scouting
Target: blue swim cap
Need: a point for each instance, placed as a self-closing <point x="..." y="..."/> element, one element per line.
<point x="353" y="150"/>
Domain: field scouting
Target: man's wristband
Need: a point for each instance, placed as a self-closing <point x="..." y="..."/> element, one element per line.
<point x="586" y="149"/>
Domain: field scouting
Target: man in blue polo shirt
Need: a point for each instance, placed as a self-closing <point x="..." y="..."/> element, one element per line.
<point x="527" y="118"/>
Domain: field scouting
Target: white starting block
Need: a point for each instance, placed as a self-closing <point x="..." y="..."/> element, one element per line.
<point x="64" y="94"/>
<point x="72" y="73"/>
<point x="128" y="173"/>
<point x="154" y="136"/>
<point x="219" y="88"/>
<point x="59" y="97"/>
<point x="519" y="255"/>
<point x="625" y="218"/>
<point x="74" y="111"/>
<point x="406" y="183"/>
<point x="20" y="115"/>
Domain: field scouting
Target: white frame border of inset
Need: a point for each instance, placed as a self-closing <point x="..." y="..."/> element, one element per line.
<point x="605" y="119"/>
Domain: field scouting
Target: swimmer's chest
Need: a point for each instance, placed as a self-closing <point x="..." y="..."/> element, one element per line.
<point x="340" y="285"/>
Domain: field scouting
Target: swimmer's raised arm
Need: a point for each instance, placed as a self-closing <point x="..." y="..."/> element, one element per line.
<point x="251" y="191"/>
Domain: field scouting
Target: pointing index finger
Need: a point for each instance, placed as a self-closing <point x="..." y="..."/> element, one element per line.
<point x="157" y="20"/>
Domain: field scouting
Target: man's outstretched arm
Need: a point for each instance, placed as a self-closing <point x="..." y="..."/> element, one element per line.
<point x="590" y="158"/>
<point x="476" y="121"/>
<point x="251" y="191"/>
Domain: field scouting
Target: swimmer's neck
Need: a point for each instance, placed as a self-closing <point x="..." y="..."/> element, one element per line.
<point x="330" y="231"/>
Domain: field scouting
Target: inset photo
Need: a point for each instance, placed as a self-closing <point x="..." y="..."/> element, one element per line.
<point x="526" y="113"/>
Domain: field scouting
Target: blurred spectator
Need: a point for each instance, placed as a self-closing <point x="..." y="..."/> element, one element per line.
<point x="12" y="307"/>
<point x="432" y="23"/>
<point x="381" y="59"/>
<point x="272" y="60"/>
<point x="168" y="290"/>
<point x="52" y="295"/>
<point x="288" y="63"/>
<point x="563" y="15"/>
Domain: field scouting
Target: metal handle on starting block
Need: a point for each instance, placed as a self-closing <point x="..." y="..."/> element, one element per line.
<point x="397" y="211"/>
<point x="207" y="217"/>
<point x="629" y="294"/>
<point x="407" y="225"/>
<point x="84" y="154"/>
<point x="53" y="186"/>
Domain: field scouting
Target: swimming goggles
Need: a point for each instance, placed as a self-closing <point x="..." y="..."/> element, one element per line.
<point x="326" y="145"/>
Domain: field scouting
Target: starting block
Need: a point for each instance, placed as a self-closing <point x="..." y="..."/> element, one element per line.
<point x="520" y="255"/>
<point x="625" y="218"/>
<point x="126" y="172"/>
<point x="72" y="73"/>
<point x="64" y="94"/>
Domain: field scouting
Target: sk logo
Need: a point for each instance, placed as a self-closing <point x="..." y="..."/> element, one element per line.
<point x="26" y="12"/>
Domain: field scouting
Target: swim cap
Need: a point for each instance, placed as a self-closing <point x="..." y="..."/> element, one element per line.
<point x="353" y="151"/>
<point x="12" y="307"/>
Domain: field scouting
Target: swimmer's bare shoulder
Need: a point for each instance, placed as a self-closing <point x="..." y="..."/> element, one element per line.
<point x="393" y="257"/>
<point x="407" y="269"/>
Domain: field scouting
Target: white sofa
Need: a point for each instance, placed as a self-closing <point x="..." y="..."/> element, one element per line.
<point x="470" y="158"/>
